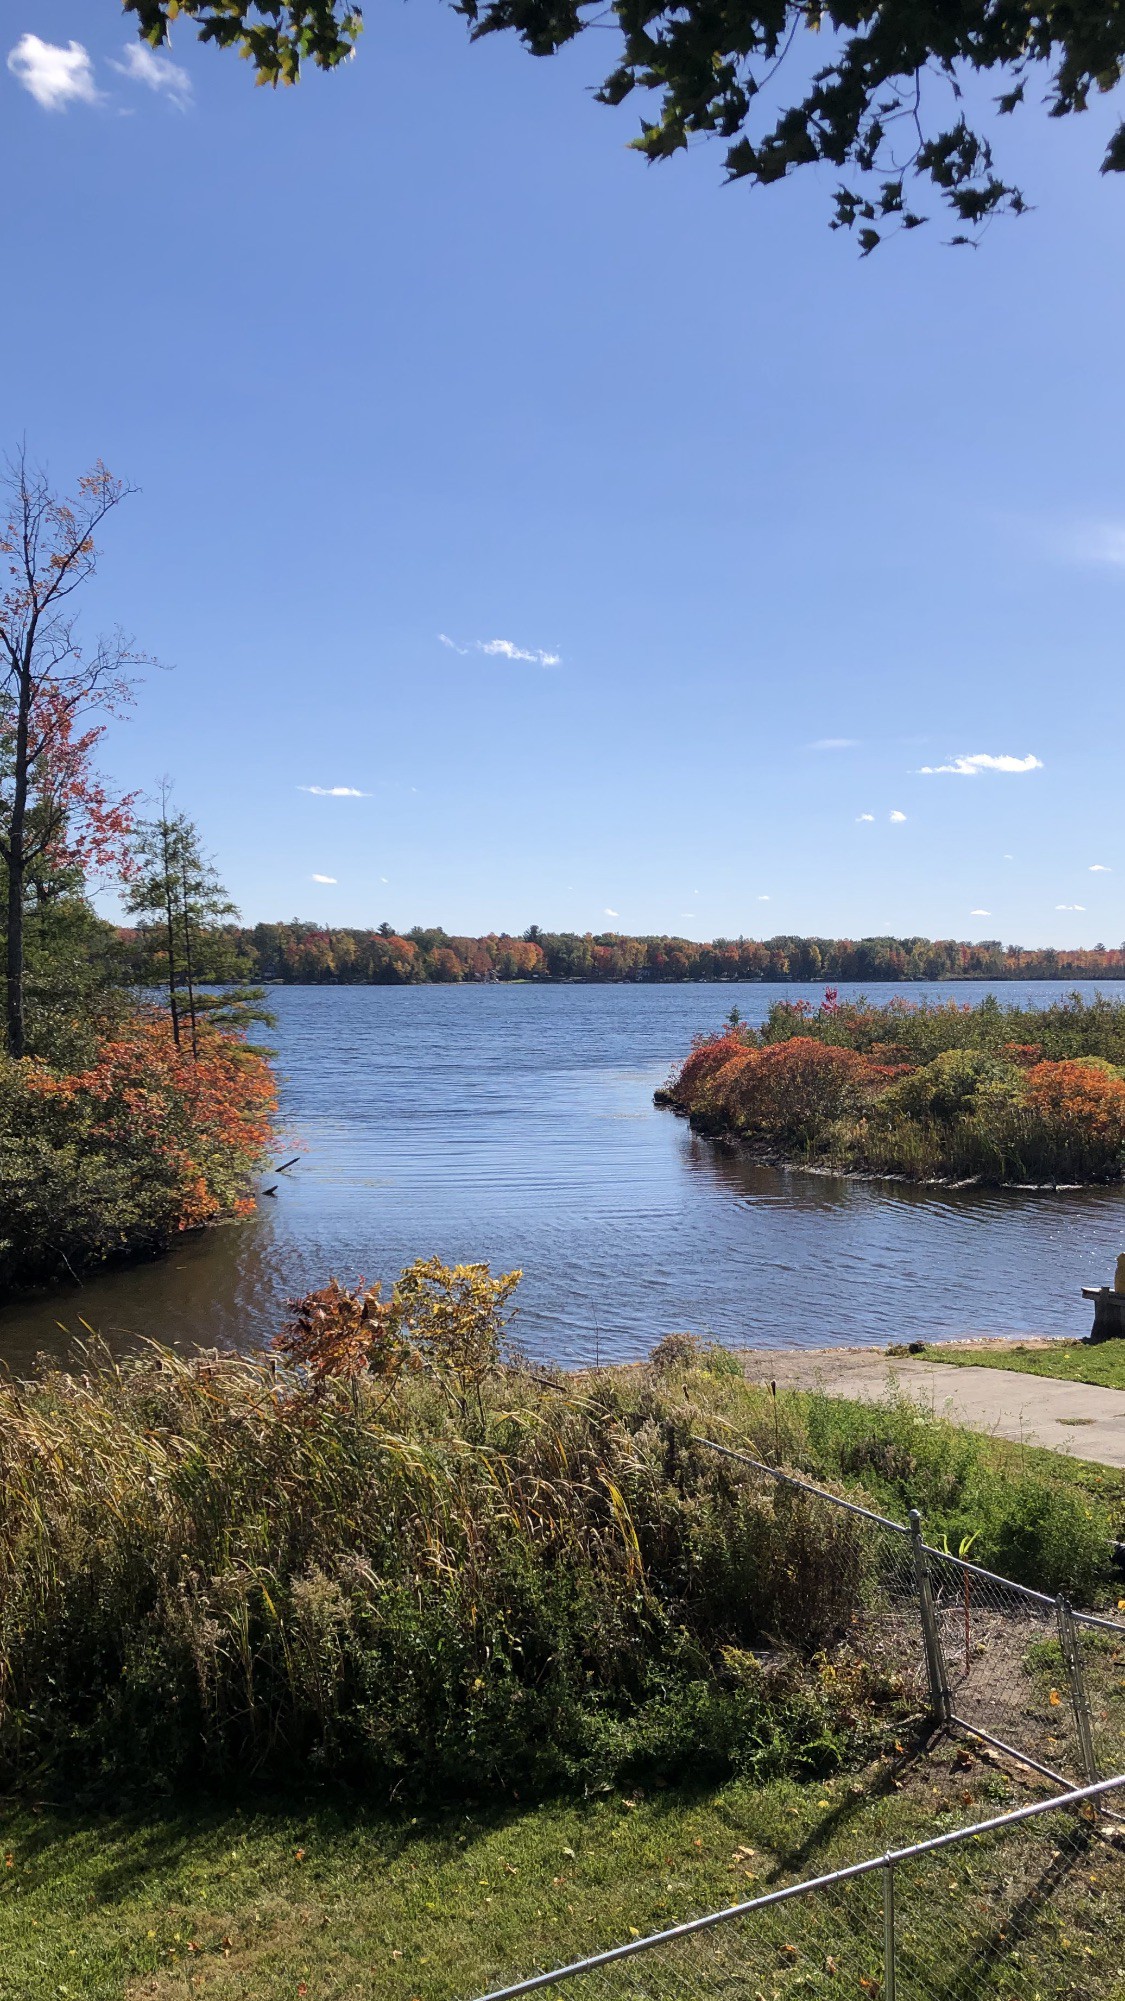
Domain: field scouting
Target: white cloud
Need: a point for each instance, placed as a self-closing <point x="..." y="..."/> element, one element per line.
<point x="323" y="878"/>
<point x="1099" y="868"/>
<point x="55" y="76"/>
<point x="970" y="767"/>
<point x="156" y="71"/>
<point x="334" y="791"/>
<point x="980" y="913"/>
<point x="1070" y="906"/>
<point x="1007" y="858"/>
<point x="835" y="743"/>
<point x="897" y="816"/>
<point x="505" y="649"/>
<point x="607" y="912"/>
<point x="864" y="816"/>
<point x="763" y="899"/>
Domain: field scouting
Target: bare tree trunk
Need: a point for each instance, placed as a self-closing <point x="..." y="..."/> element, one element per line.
<point x="14" y="966"/>
<point x="14" y="845"/>
<point x="187" y="962"/>
<point x="173" y="1003"/>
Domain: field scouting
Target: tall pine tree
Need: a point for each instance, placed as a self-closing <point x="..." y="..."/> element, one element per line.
<point x="185" y="936"/>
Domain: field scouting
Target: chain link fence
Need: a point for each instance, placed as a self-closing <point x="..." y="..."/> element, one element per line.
<point x="1029" y="1906"/>
<point x="1015" y="1668"/>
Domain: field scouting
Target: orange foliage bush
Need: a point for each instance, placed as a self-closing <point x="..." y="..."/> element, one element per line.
<point x="200" y="1126"/>
<point x="142" y="1143"/>
<point x="1080" y="1095"/>
<point x="791" y="1089"/>
<point x="708" y="1054"/>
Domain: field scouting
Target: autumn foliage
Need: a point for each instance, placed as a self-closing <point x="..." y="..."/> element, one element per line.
<point x="303" y="953"/>
<point x="140" y="1144"/>
<point x="922" y="1092"/>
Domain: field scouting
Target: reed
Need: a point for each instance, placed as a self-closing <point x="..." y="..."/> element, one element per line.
<point x="466" y="1577"/>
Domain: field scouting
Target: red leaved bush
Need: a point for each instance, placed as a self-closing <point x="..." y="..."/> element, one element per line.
<point x="791" y="1089"/>
<point x="708" y="1054"/>
<point x="142" y="1143"/>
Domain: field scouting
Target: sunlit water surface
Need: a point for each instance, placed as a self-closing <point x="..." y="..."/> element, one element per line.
<point x="516" y="1124"/>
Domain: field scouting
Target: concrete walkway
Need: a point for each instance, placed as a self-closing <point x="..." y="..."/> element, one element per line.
<point x="1082" y="1419"/>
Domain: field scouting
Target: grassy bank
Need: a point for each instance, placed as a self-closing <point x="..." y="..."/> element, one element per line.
<point x="1071" y="1361"/>
<point x="403" y="1564"/>
<point x="423" y="1668"/>
<point x="306" y="1898"/>
<point x="989" y="1094"/>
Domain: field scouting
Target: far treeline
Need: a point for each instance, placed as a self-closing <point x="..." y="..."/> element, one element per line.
<point x="301" y="954"/>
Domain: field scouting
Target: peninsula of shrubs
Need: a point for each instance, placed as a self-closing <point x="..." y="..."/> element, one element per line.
<point x="921" y="1092"/>
<point x="301" y="953"/>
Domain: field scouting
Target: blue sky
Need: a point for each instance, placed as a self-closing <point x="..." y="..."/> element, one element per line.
<point x="422" y="349"/>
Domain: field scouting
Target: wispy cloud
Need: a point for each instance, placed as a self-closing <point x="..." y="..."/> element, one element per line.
<point x="334" y="791"/>
<point x="503" y="649"/>
<point x="1070" y="906"/>
<point x="54" y="76"/>
<point x="763" y="899"/>
<point x="980" y="913"/>
<point x="897" y="816"/>
<point x="864" y="816"/>
<point x="607" y="912"/>
<point x="1097" y="542"/>
<point x="1099" y="868"/>
<point x="156" y="72"/>
<point x="323" y="878"/>
<point x="971" y="767"/>
<point x="834" y="743"/>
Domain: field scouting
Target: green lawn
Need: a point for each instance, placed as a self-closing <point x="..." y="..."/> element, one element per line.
<point x="1074" y="1361"/>
<point x="329" y="1903"/>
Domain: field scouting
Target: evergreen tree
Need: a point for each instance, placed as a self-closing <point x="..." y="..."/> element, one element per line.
<point x="185" y="935"/>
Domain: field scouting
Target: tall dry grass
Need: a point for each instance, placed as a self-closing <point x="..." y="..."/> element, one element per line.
<point x="220" y="1567"/>
<point x="448" y="1572"/>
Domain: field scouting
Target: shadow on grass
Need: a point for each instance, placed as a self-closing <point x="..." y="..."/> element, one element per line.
<point x="796" y="1861"/>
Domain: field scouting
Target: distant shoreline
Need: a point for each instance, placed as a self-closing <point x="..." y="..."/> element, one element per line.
<point x="298" y="953"/>
<point x="1065" y="979"/>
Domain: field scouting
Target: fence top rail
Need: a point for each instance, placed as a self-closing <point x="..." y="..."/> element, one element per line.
<point x="733" y="1911"/>
<point x="1095" y="1619"/>
<point x="900" y="1528"/>
<point x="806" y="1486"/>
<point x="993" y="1576"/>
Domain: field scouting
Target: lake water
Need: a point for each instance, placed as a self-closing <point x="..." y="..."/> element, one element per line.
<point x="515" y="1124"/>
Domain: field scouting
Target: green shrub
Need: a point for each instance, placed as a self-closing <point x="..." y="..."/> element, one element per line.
<point x="219" y="1569"/>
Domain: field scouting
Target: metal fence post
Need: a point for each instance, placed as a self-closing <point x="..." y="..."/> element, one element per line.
<point x="889" y="1970"/>
<point x="940" y="1704"/>
<point x="1072" y="1662"/>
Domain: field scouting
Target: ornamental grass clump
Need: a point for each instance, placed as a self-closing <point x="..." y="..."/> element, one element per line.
<point x="394" y="1556"/>
<point x="446" y="1573"/>
<point x="930" y="1092"/>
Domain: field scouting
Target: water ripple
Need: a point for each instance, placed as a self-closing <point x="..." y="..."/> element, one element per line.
<point x="516" y="1124"/>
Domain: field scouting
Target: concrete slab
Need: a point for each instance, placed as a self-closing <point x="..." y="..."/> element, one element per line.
<point x="1081" y="1419"/>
